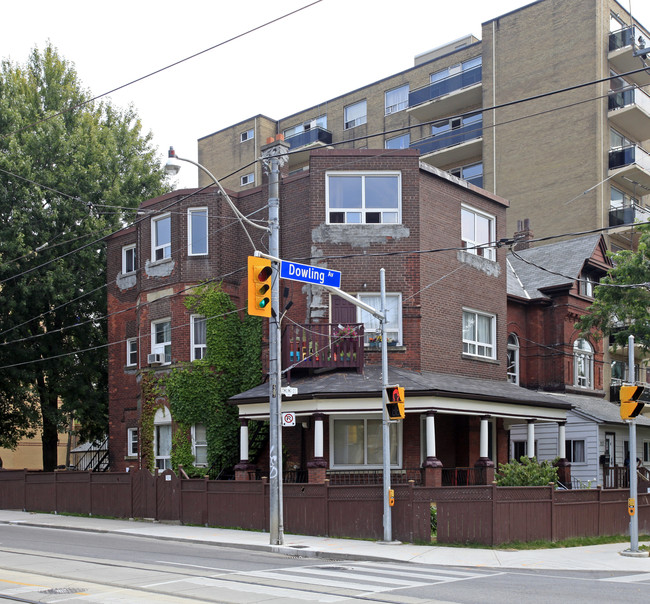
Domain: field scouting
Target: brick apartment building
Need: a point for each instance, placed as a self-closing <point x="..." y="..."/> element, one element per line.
<point x="355" y="211"/>
<point x="569" y="162"/>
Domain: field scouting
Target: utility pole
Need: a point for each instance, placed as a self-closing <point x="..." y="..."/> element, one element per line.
<point x="385" y="421"/>
<point x="275" y="155"/>
<point x="634" y="519"/>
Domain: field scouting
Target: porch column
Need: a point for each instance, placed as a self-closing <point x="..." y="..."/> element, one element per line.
<point x="432" y="466"/>
<point x="484" y="462"/>
<point x="317" y="467"/>
<point x="530" y="445"/>
<point x="563" y="465"/>
<point x="243" y="468"/>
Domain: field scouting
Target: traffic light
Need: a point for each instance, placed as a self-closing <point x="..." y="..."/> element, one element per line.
<point x="259" y="286"/>
<point x="395" y="404"/>
<point x="630" y="405"/>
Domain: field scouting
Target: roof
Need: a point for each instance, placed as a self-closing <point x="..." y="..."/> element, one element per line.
<point x="561" y="262"/>
<point x="339" y="384"/>
<point x="599" y="409"/>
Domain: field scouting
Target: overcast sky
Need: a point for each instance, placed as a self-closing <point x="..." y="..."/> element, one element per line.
<point x="325" y="50"/>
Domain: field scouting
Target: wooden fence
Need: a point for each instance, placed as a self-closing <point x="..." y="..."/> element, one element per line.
<point x="487" y="515"/>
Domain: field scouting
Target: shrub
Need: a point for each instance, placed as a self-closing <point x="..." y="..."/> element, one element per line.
<point x="527" y="472"/>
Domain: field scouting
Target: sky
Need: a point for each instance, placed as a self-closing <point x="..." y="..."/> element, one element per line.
<point x="324" y="50"/>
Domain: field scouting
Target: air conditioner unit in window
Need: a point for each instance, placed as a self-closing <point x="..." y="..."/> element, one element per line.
<point x="156" y="358"/>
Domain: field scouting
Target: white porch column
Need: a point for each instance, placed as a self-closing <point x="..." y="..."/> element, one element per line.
<point x="318" y="436"/>
<point x="561" y="440"/>
<point x="431" y="434"/>
<point x="531" y="438"/>
<point x="243" y="441"/>
<point x="485" y="426"/>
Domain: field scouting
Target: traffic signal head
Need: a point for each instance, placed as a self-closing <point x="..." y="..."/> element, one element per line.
<point x="259" y="286"/>
<point x="630" y="405"/>
<point x="395" y="404"/>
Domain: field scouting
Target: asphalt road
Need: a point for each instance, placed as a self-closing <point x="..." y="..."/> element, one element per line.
<point x="55" y="565"/>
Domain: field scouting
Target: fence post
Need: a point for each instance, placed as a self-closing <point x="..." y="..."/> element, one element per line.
<point x="553" y="528"/>
<point x="326" y="494"/>
<point x="90" y="493"/>
<point x="494" y="512"/>
<point x="56" y="499"/>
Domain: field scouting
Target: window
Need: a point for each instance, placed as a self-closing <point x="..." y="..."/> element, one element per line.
<point x="398" y="142"/>
<point x="357" y="442"/>
<point x="372" y="326"/>
<point x="520" y="449"/>
<point x="575" y="451"/>
<point x="247" y="135"/>
<point x="477" y="231"/>
<point x="354" y="115"/>
<point x="161" y="237"/>
<point x="646" y="451"/>
<point x="455" y="69"/>
<point x="198" y="337"/>
<point x="128" y="258"/>
<point x="586" y="285"/>
<point x="131" y="352"/>
<point x="472" y="173"/>
<point x="197" y="231"/>
<point x="619" y="200"/>
<point x="247" y="179"/>
<point x="132" y="442"/>
<point x="512" y="370"/>
<point x="199" y="445"/>
<point x="615" y="23"/>
<point x="617" y="140"/>
<point x="319" y="122"/>
<point x="161" y="338"/>
<point x="162" y="439"/>
<point x="397" y="99"/>
<point x="371" y="198"/>
<point x="479" y="334"/>
<point x="583" y="364"/>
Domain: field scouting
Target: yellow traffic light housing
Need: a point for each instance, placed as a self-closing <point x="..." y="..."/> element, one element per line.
<point x="395" y="404"/>
<point x="260" y="275"/>
<point x="630" y="406"/>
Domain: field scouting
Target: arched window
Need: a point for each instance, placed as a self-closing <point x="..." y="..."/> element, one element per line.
<point x="513" y="359"/>
<point x="583" y="364"/>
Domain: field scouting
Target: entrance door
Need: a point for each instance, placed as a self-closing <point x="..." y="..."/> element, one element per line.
<point x="610" y="448"/>
<point x="343" y="312"/>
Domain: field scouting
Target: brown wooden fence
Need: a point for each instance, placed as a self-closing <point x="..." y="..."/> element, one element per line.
<point x="487" y="515"/>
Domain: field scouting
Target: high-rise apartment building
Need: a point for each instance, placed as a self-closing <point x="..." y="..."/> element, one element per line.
<point x="549" y="110"/>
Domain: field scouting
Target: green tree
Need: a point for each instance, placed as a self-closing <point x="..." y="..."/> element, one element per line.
<point x="621" y="304"/>
<point x="71" y="171"/>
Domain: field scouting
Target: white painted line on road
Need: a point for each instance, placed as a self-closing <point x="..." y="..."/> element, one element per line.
<point x="225" y="570"/>
<point x="628" y="578"/>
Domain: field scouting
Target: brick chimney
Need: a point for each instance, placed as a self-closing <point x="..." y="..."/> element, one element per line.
<point x="523" y="234"/>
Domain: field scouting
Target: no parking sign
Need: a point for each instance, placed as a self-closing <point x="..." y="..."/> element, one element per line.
<point x="288" y="419"/>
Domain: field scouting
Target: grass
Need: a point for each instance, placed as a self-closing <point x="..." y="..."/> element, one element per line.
<point x="541" y="544"/>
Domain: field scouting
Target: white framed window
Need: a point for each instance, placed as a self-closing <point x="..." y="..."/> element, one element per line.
<point x="587" y="284"/>
<point x="247" y="135"/>
<point x="512" y="370"/>
<point x="477" y="231"/>
<point x="618" y="140"/>
<point x="646" y="451"/>
<point x="372" y="326"/>
<point x="396" y="99"/>
<point x="198" y="337"/>
<point x="479" y="334"/>
<point x="247" y="179"/>
<point x="618" y="199"/>
<point x="132" y="442"/>
<point x="161" y="237"/>
<point x="583" y="364"/>
<point x="520" y="449"/>
<point x="355" y="115"/>
<point x="398" y="142"/>
<point x="128" y="259"/>
<point x="356" y="442"/>
<point x="471" y="173"/>
<point x="131" y="352"/>
<point x="200" y="445"/>
<point x="364" y="198"/>
<point x="161" y="338"/>
<point x="575" y="451"/>
<point x="197" y="231"/>
<point x="162" y="439"/>
<point x="455" y="69"/>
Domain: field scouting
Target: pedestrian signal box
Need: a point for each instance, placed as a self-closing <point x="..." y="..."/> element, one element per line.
<point x="395" y="404"/>
<point x="632" y="401"/>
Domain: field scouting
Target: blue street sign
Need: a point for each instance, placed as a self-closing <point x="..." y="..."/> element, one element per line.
<point x="310" y="274"/>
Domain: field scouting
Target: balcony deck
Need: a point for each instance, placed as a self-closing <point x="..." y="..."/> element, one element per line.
<point x="629" y="110"/>
<point x="323" y="345"/>
<point x="622" y="45"/>
<point x="302" y="143"/>
<point x="630" y="165"/>
<point x="451" y="147"/>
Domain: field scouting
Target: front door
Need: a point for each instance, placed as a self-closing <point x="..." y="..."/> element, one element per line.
<point x="610" y="448"/>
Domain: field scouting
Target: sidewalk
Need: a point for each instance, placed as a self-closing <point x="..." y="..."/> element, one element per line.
<point x="594" y="557"/>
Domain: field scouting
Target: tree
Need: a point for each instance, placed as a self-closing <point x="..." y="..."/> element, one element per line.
<point x="621" y="304"/>
<point x="72" y="170"/>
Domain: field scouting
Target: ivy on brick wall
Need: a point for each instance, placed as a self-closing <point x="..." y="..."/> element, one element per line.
<point x="151" y="402"/>
<point x="198" y="392"/>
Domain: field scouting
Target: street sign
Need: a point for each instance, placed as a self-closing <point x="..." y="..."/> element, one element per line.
<point x="288" y="419"/>
<point x="310" y="274"/>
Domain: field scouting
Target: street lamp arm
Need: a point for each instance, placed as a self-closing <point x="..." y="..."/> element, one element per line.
<point x="223" y="192"/>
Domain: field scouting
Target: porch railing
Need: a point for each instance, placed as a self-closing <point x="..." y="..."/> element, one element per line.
<point x="317" y="345"/>
<point x="462" y="477"/>
<point x="347" y="477"/>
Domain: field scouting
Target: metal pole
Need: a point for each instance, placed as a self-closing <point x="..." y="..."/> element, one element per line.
<point x="276" y="529"/>
<point x="634" y="519"/>
<point x="388" y="529"/>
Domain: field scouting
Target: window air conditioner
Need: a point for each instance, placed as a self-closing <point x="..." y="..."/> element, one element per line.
<point x="155" y="358"/>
